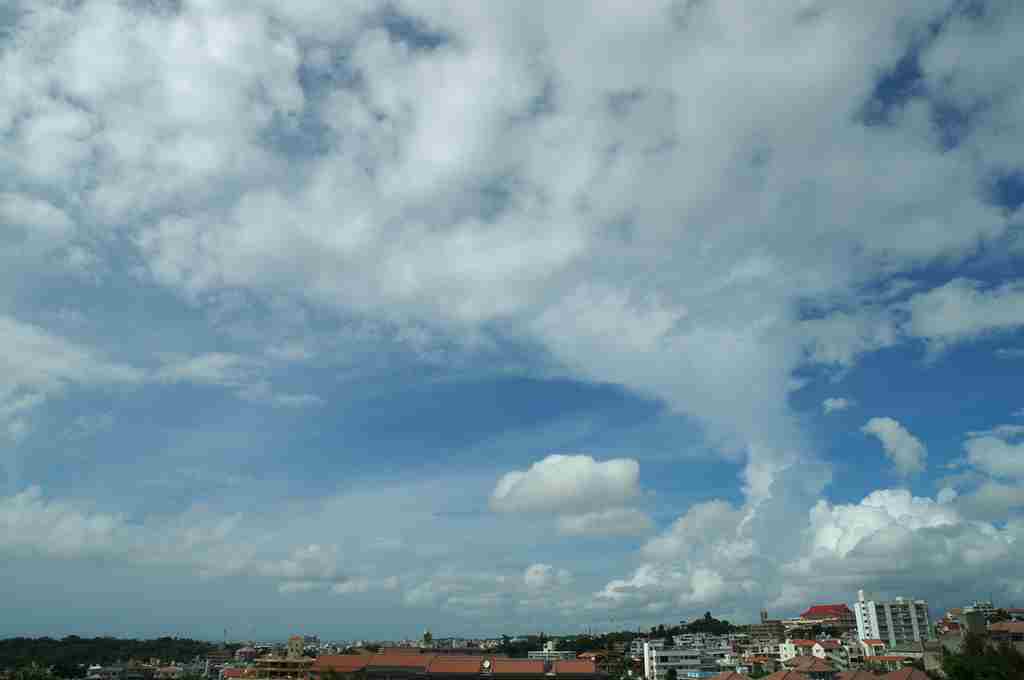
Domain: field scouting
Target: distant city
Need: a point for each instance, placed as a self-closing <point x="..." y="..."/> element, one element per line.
<point x="876" y="639"/>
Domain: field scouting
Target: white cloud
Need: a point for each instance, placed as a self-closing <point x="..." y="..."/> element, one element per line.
<point x="834" y="404"/>
<point x="904" y="449"/>
<point x="672" y="253"/>
<point x="610" y="522"/>
<point x="994" y="452"/>
<point x="36" y="365"/>
<point x="543" y="576"/>
<point x="963" y="309"/>
<point x="567" y="483"/>
<point x="243" y="374"/>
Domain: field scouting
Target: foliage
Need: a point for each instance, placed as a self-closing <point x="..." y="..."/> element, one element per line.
<point x="69" y="657"/>
<point x="979" y="660"/>
<point x="672" y="674"/>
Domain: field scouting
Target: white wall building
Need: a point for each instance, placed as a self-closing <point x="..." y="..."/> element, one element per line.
<point x="688" y="662"/>
<point x="898" y="622"/>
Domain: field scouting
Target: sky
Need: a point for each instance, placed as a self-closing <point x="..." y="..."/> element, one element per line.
<point x="358" y="319"/>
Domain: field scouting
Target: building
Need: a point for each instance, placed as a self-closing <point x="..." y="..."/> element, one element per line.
<point x="906" y="674"/>
<point x="872" y="647"/>
<point x="551" y="655"/>
<point x="790" y="649"/>
<point x="897" y="622"/>
<point x="636" y="647"/>
<point x="834" y="652"/>
<point x="690" y="662"/>
<point x="1010" y="632"/>
<point x="450" y="667"/>
<point x="767" y="633"/>
<point x="814" y="668"/>
<point x="833" y="615"/>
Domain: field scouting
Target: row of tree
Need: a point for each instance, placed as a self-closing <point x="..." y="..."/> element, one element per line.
<point x="979" y="660"/>
<point x="69" y="657"/>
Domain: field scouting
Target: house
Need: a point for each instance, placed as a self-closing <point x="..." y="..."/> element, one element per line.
<point x="832" y="651"/>
<point x="857" y="674"/>
<point x="1010" y="632"/>
<point x="889" y="662"/>
<point x="730" y="675"/>
<point x="794" y="648"/>
<point x="787" y="675"/>
<point x="814" y="668"/>
<point x="906" y="674"/>
<point x="872" y="647"/>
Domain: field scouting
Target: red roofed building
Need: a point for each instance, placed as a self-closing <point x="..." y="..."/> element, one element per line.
<point x="906" y="674"/>
<point x="345" y="665"/>
<point x="1011" y="632"/>
<point x="890" y="662"/>
<point x="858" y="674"/>
<point x="791" y="649"/>
<point x="838" y="615"/>
<point x="787" y="675"/>
<point x="814" y="668"/>
<point x="401" y="666"/>
<point x="730" y="675"/>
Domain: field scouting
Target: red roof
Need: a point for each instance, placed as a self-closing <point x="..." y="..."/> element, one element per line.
<point x="515" y="666"/>
<point x="787" y="675"/>
<point x="399" y="660"/>
<point x="730" y="675"/>
<point x="456" y="664"/>
<point x="578" y="666"/>
<point x="827" y="611"/>
<point x="859" y="674"/>
<point x="1007" y="627"/>
<point x="906" y="674"/>
<point x="873" y="643"/>
<point x="231" y="672"/>
<point x="830" y="644"/>
<point x="340" y="663"/>
<point x="803" y="643"/>
<point x="812" y="664"/>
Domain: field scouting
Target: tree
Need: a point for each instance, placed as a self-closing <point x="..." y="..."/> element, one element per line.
<point x="672" y="674"/>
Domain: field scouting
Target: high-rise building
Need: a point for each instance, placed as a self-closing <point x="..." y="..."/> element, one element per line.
<point x="898" y="622"/>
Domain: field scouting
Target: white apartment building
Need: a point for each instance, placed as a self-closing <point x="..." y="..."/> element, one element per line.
<point x="636" y="647"/>
<point x="898" y="622"/>
<point x="690" y="662"/>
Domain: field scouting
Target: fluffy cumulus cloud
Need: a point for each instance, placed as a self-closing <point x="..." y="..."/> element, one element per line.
<point x="905" y="450"/>
<point x="444" y="181"/>
<point x="567" y="483"/>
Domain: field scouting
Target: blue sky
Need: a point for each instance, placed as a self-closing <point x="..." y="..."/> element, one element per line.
<point x="357" y="321"/>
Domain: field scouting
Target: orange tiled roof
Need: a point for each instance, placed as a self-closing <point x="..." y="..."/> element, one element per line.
<point x="906" y="674"/>
<point x="858" y="674"/>
<point x="787" y="675"/>
<point x="516" y="666"/>
<point x="812" y="665"/>
<point x="730" y="675"/>
<point x="340" y="663"/>
<point x="399" y="660"/>
<point x="803" y="643"/>
<point x="444" y="663"/>
<point x="1007" y="627"/>
<point x="568" y="667"/>
<point x="821" y="611"/>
